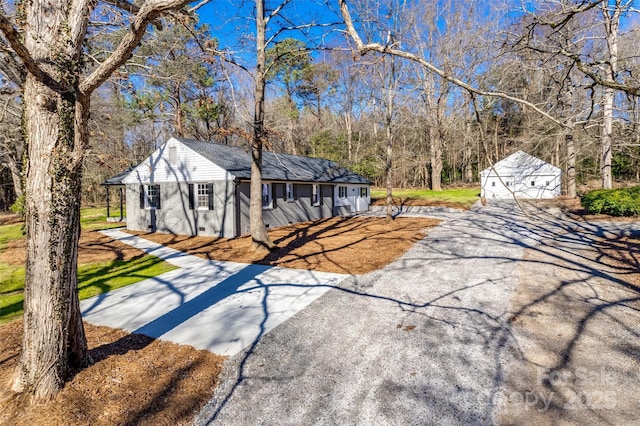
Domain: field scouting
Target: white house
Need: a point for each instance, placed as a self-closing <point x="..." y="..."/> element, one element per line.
<point x="521" y="175"/>
<point x="200" y="188"/>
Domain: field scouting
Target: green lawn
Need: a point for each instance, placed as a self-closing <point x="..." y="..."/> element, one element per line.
<point x="93" y="278"/>
<point x="465" y="197"/>
<point x="95" y="218"/>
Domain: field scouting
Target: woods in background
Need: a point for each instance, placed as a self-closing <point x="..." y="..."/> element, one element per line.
<point x="322" y="100"/>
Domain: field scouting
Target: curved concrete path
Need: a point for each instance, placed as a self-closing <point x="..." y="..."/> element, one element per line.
<point x="422" y="341"/>
<point x="219" y="306"/>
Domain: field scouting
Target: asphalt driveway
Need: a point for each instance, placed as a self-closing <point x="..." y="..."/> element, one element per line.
<point x="423" y="341"/>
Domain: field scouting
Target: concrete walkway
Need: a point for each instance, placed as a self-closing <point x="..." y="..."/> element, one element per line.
<point x="223" y="307"/>
<point x="422" y="341"/>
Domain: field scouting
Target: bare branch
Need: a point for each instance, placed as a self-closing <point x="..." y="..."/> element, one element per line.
<point x="132" y="9"/>
<point x="391" y="50"/>
<point x="13" y="37"/>
<point x="150" y="10"/>
<point x="11" y="66"/>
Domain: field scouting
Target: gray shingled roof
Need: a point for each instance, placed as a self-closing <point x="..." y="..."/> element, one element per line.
<point x="278" y="167"/>
<point x="117" y="179"/>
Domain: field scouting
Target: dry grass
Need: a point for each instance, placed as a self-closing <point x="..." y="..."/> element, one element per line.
<point x="135" y="380"/>
<point x="343" y="245"/>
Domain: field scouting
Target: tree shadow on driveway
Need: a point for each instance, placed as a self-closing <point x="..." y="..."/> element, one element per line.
<point x="435" y="336"/>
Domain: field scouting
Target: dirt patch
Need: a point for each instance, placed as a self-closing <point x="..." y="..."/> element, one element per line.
<point x="343" y="245"/>
<point x="576" y="314"/>
<point x="135" y="380"/>
<point x="93" y="247"/>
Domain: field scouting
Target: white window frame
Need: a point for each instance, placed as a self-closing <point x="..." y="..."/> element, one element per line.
<point x="268" y="193"/>
<point x="315" y="195"/>
<point x="202" y="193"/>
<point x="364" y="192"/>
<point x="152" y="192"/>
<point x="342" y="191"/>
<point x="289" y="192"/>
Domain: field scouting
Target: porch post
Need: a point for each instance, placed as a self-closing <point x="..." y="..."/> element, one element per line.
<point x="121" y="197"/>
<point x="108" y="207"/>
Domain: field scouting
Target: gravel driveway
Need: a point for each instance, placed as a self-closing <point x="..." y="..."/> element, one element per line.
<point x="422" y="341"/>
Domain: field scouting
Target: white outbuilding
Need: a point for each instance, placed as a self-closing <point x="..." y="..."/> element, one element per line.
<point x="521" y="175"/>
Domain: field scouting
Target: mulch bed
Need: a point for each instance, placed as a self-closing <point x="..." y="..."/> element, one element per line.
<point x="344" y="245"/>
<point x="135" y="380"/>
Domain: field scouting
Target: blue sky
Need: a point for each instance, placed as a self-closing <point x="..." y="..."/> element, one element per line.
<point x="232" y="22"/>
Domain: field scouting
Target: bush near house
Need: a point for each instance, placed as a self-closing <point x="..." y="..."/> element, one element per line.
<point x="614" y="202"/>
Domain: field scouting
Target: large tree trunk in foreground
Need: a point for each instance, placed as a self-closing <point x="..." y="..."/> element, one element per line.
<point x="53" y="338"/>
<point x="259" y="234"/>
<point x="56" y="107"/>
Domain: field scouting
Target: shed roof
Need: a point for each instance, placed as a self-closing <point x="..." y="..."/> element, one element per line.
<point x="278" y="167"/>
<point x="521" y="164"/>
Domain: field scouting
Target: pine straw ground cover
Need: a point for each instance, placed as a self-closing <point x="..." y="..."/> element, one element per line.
<point x="139" y="380"/>
<point x="135" y="380"/>
<point x="344" y="245"/>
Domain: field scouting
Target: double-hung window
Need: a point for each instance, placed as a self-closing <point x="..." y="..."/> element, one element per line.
<point x="289" y="192"/>
<point x="342" y="192"/>
<point x="267" y="196"/>
<point x="149" y="196"/>
<point x="315" y="195"/>
<point x="201" y="196"/>
<point x="363" y="192"/>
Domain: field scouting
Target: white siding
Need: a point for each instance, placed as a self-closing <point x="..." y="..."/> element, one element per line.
<point x="353" y="200"/>
<point x="189" y="167"/>
<point x="521" y="175"/>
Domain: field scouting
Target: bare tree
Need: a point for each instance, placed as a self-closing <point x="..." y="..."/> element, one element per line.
<point x="588" y="35"/>
<point x="49" y="41"/>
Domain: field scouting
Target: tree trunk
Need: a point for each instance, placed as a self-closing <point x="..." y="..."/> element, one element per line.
<point x="259" y="234"/>
<point x="571" y="167"/>
<point x="435" y="153"/>
<point x="53" y="337"/>
<point x="607" y="132"/>
<point x="612" y="24"/>
<point x="56" y="112"/>
<point x="387" y="171"/>
<point x="349" y="128"/>
<point x="292" y="118"/>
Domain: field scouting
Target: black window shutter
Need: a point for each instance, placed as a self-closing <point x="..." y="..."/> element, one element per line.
<point x="311" y="197"/>
<point x="158" y="197"/>
<point x="191" y="199"/>
<point x="320" y="191"/>
<point x="295" y="191"/>
<point x="142" y="196"/>
<point x="274" y="196"/>
<point x="210" y="193"/>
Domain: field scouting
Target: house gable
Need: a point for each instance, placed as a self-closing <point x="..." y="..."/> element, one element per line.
<point x="176" y="162"/>
<point x="521" y="175"/>
<point x="521" y="164"/>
